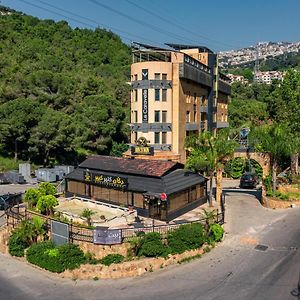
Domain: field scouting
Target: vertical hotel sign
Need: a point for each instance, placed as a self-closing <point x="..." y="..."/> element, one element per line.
<point x="145" y="98"/>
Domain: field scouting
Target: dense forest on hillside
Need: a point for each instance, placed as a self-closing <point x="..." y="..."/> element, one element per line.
<point x="63" y="91"/>
<point x="254" y="105"/>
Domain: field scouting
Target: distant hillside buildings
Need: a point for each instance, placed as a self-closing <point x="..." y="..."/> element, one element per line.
<point x="268" y="77"/>
<point x="262" y="50"/>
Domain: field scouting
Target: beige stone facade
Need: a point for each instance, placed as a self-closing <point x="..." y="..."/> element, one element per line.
<point x="175" y="93"/>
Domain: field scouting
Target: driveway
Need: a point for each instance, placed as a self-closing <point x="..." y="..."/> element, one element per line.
<point x="259" y="259"/>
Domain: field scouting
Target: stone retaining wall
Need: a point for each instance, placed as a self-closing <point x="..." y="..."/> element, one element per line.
<point x="272" y="203"/>
<point x="129" y="268"/>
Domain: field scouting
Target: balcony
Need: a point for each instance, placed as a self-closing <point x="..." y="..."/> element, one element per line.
<point x="192" y="126"/>
<point x="151" y="127"/>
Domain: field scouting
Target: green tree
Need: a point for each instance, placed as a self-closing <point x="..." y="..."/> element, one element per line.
<point x="274" y="139"/>
<point x="46" y="204"/>
<point x="208" y="153"/>
<point x="32" y="196"/>
<point x="47" y="188"/>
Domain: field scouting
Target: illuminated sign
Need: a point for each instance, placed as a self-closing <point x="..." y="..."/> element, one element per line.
<point x="105" y="180"/>
<point x="145" y="106"/>
<point x="142" y="150"/>
<point x="144" y="74"/>
<point x="142" y="147"/>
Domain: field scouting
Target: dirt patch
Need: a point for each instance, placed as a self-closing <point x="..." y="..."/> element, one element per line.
<point x="272" y="203"/>
<point x="248" y="240"/>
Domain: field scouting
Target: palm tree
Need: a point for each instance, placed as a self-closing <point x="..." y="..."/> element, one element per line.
<point x="87" y="213"/>
<point x="208" y="153"/>
<point x="277" y="140"/>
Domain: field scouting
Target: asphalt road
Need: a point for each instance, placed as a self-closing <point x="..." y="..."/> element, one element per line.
<point x="235" y="269"/>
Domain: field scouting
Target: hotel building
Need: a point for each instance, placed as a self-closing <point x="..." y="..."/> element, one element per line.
<point x="175" y="92"/>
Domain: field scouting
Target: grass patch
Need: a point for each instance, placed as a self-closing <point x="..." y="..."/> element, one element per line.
<point x="8" y="164"/>
<point x="189" y="258"/>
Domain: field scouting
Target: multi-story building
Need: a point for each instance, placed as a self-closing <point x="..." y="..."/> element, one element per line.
<point x="175" y="93"/>
<point x="237" y="78"/>
<point x="268" y="77"/>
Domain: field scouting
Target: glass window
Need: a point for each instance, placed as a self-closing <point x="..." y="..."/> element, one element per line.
<point x="163" y="137"/>
<point x="164" y="116"/>
<point x="135" y="116"/>
<point x="135" y="95"/>
<point x="157" y="94"/>
<point x="156" y="116"/>
<point x="195" y="97"/>
<point x="135" y="77"/>
<point x="156" y="138"/>
<point x="188" y="116"/>
<point x="163" y="95"/>
<point x="135" y="136"/>
<point x="157" y="76"/>
<point x="164" y="76"/>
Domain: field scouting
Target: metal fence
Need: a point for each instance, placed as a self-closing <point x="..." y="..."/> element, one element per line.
<point x="76" y="233"/>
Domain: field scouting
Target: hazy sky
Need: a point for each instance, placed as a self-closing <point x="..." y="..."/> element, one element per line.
<point x="219" y="24"/>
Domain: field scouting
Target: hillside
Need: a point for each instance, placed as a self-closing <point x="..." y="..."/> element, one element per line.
<point x="63" y="91"/>
<point x="263" y="51"/>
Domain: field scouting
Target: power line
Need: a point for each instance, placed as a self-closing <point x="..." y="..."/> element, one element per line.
<point x="75" y="20"/>
<point x="177" y="24"/>
<point x="140" y="22"/>
<point x="93" y="21"/>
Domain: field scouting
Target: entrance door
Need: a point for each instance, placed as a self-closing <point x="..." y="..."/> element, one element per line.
<point x="154" y="209"/>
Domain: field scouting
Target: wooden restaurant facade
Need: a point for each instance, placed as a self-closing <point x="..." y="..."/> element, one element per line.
<point x="155" y="188"/>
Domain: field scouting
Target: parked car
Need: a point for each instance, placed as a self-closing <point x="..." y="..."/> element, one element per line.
<point x="9" y="200"/>
<point x="249" y="180"/>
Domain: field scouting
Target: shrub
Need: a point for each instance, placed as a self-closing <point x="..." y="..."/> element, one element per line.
<point x="112" y="259"/>
<point x="45" y="256"/>
<point x="152" y="246"/>
<point x="46" y="204"/>
<point x="55" y="259"/>
<point x="17" y="245"/>
<point x="186" y="237"/>
<point x="71" y="256"/>
<point x="46" y="188"/>
<point x="32" y="196"/>
<point x="216" y="232"/>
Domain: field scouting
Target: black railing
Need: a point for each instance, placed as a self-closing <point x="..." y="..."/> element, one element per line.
<point x="15" y="215"/>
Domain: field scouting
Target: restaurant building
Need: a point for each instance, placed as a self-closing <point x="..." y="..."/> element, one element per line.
<point x="158" y="189"/>
<point x="175" y="92"/>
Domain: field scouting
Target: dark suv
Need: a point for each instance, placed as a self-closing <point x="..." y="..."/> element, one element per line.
<point x="249" y="180"/>
<point x="9" y="200"/>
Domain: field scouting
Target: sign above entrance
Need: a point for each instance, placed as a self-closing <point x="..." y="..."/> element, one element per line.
<point x="142" y="147"/>
<point x="105" y="180"/>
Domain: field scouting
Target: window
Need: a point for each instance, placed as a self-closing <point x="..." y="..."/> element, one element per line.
<point x="163" y="95"/>
<point x="135" y="77"/>
<point x="188" y="116"/>
<point x="156" y="116"/>
<point x="195" y="97"/>
<point x="164" y="76"/>
<point x="156" y="138"/>
<point x="188" y="97"/>
<point x="164" y="116"/>
<point x="157" y="76"/>
<point x="157" y="94"/>
<point x="135" y="136"/>
<point x="135" y="95"/>
<point x="163" y="137"/>
<point x="135" y="115"/>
